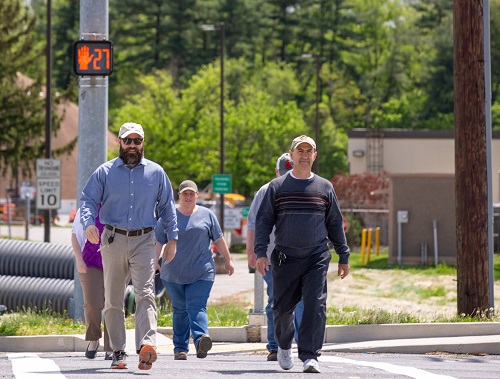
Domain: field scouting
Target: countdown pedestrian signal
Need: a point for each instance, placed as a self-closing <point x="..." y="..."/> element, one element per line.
<point x="93" y="58"/>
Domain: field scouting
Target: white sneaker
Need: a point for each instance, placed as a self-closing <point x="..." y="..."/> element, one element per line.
<point x="285" y="358"/>
<point x="311" y="365"/>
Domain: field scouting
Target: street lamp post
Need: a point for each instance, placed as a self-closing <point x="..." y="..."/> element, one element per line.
<point x="220" y="28"/>
<point x="317" y="58"/>
<point x="48" y="109"/>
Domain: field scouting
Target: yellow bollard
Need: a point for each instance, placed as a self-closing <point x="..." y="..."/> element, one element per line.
<point x="368" y="245"/>
<point x="363" y="241"/>
<point x="377" y="239"/>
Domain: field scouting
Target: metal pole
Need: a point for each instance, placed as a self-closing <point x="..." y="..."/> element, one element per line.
<point x="92" y="115"/>
<point x="28" y="212"/>
<point x="400" y="244"/>
<point x="316" y="120"/>
<point x="221" y="27"/>
<point x="487" y="100"/>
<point x="9" y="223"/>
<point x="48" y="108"/>
<point x="436" y="251"/>
<point x="258" y="302"/>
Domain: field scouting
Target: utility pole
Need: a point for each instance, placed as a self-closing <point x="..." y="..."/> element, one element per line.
<point x="471" y="157"/>
<point x="92" y="114"/>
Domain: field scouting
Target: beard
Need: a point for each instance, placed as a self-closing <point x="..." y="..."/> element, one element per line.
<point x="131" y="156"/>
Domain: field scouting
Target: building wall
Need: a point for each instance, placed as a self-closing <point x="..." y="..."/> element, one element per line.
<point x="421" y="165"/>
<point x="428" y="198"/>
<point x="417" y="152"/>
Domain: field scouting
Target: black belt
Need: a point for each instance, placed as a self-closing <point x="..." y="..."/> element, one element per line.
<point x="130" y="233"/>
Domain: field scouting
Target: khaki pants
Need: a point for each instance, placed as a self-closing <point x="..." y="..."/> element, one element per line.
<point x="93" y="303"/>
<point x="129" y="257"/>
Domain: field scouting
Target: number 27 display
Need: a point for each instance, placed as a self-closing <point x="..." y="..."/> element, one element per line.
<point x="93" y="58"/>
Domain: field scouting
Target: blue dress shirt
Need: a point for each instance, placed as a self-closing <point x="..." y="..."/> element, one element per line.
<point x="129" y="197"/>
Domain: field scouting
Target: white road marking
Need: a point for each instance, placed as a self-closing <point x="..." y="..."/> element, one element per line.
<point x="31" y="366"/>
<point x="412" y="372"/>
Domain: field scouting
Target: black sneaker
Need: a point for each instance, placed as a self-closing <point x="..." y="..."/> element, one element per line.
<point x="119" y="359"/>
<point x="204" y="345"/>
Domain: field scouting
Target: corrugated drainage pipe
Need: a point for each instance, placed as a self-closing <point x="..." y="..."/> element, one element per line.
<point x="18" y="292"/>
<point x="36" y="259"/>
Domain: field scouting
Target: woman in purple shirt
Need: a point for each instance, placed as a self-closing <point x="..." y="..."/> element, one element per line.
<point x="89" y="266"/>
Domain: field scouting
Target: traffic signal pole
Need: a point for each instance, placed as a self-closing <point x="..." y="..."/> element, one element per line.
<point x="92" y="115"/>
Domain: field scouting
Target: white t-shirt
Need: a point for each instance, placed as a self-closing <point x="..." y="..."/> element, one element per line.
<point x="77" y="229"/>
<point x="252" y="215"/>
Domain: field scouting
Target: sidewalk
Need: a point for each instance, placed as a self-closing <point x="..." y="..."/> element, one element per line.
<point x="460" y="338"/>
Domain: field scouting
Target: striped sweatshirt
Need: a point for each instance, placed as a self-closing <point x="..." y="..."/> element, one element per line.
<point x="306" y="214"/>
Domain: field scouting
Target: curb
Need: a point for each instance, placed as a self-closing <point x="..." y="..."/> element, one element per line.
<point x="459" y="338"/>
<point x="361" y="333"/>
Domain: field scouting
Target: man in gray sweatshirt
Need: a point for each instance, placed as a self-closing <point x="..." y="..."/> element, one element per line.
<point x="305" y="212"/>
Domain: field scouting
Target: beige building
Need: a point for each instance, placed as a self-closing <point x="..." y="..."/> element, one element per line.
<point x="421" y="165"/>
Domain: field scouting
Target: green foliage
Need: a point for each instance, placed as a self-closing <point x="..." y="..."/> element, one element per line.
<point x="353" y="234"/>
<point x="384" y="64"/>
<point x="185" y="124"/>
<point x="381" y="262"/>
<point x="360" y="316"/>
<point x="22" y="112"/>
<point x="376" y="262"/>
<point x="423" y="293"/>
<point x="65" y="31"/>
<point x="218" y="315"/>
<point x="30" y="322"/>
<point x="356" y="316"/>
<point x="17" y="39"/>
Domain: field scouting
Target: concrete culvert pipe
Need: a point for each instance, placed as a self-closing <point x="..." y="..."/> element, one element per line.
<point x="18" y="292"/>
<point x="36" y="259"/>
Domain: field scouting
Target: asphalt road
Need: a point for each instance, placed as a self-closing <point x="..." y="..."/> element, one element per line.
<point x="253" y="365"/>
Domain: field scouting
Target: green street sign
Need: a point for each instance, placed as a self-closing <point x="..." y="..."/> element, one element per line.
<point x="245" y="211"/>
<point x="221" y="183"/>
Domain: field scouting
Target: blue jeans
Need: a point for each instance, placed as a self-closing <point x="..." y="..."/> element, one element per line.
<point x="299" y="309"/>
<point x="189" y="305"/>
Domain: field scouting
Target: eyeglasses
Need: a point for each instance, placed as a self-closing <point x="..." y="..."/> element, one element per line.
<point x="128" y="141"/>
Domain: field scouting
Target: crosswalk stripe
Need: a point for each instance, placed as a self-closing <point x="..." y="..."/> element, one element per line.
<point x="412" y="372"/>
<point x="31" y="366"/>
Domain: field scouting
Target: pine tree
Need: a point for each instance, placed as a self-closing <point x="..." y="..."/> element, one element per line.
<point x="22" y="100"/>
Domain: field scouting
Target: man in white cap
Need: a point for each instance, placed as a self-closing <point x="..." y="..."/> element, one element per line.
<point x="132" y="191"/>
<point x="305" y="212"/>
<point x="283" y="166"/>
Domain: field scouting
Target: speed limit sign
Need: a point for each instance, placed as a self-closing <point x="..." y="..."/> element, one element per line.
<point x="48" y="183"/>
<point x="48" y="194"/>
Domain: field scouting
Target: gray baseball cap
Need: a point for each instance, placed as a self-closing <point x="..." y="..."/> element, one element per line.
<point x="284" y="164"/>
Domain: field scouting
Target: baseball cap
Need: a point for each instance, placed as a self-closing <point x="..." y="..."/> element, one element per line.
<point x="284" y="164"/>
<point x="130" y="128"/>
<point x="303" y="139"/>
<point x="188" y="185"/>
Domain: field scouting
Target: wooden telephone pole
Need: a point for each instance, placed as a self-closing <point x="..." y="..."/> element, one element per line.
<point x="471" y="174"/>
